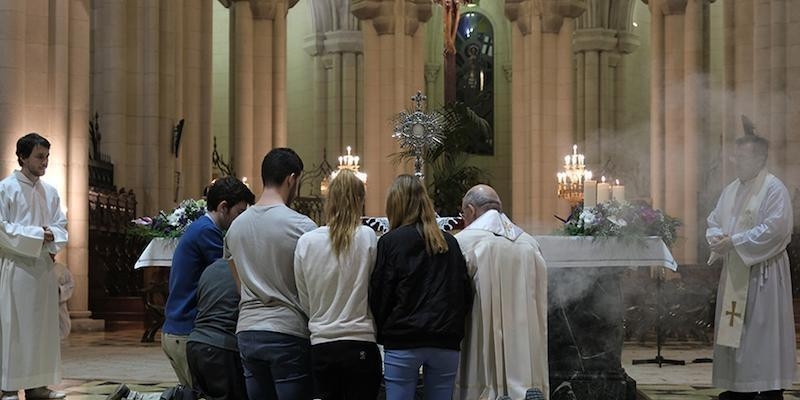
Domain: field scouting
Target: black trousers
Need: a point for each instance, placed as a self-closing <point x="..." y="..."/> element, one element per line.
<point x="346" y="370"/>
<point x="216" y="372"/>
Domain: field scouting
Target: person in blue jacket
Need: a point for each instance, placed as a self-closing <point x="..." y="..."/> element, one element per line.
<point x="199" y="247"/>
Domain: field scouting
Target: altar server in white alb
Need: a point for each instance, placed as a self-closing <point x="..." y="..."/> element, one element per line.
<point x="33" y="230"/>
<point x="754" y="348"/>
<point x="505" y="349"/>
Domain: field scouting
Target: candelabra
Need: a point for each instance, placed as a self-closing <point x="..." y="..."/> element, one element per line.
<point x="571" y="179"/>
<point x="346" y="161"/>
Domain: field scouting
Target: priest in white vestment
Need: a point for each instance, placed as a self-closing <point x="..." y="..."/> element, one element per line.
<point x="754" y="345"/>
<point x="505" y="349"/>
<point x="33" y="230"/>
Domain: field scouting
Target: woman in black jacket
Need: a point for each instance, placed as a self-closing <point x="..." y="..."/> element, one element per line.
<point x="419" y="294"/>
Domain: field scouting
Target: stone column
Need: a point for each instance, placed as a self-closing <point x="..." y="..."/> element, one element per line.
<point x="679" y="93"/>
<point x="78" y="177"/>
<point x="599" y="43"/>
<point x="762" y="52"/>
<point x="12" y="79"/>
<point x="541" y="124"/>
<point x="242" y="89"/>
<point x="258" y="75"/>
<point x="111" y="96"/>
<point x="393" y="73"/>
<point x="167" y="108"/>
<point x="193" y="132"/>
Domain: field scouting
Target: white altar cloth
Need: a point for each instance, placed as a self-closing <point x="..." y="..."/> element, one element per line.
<point x="158" y="253"/>
<point x="590" y="252"/>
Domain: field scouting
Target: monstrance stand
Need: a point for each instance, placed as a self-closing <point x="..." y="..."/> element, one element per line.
<point x="419" y="132"/>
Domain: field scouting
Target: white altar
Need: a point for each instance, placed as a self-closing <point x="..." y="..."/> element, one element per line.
<point x="158" y="253"/>
<point x="590" y="252"/>
<point x="586" y="310"/>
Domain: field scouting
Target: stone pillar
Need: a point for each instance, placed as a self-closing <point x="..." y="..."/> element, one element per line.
<point x="149" y="100"/>
<point x="599" y="43"/>
<point x="12" y="79"/>
<point x="167" y="108"/>
<point x="110" y="95"/>
<point x="78" y="177"/>
<point x="541" y="124"/>
<point x="258" y="76"/>
<point x="761" y="64"/>
<point x="193" y="179"/>
<point x="242" y="93"/>
<point x="679" y="105"/>
<point x="393" y="61"/>
<point x="338" y="72"/>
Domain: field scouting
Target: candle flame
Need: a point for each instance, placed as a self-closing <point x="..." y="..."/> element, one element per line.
<point x="603" y="179"/>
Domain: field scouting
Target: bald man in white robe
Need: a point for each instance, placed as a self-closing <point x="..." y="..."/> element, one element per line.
<point x="754" y="346"/>
<point x="505" y="348"/>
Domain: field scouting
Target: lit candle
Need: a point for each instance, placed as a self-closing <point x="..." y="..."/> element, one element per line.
<point x="589" y="191"/>
<point x="603" y="191"/>
<point x="618" y="192"/>
<point x="574" y="149"/>
<point x="566" y="161"/>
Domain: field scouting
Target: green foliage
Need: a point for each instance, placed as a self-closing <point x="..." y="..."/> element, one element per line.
<point x="628" y="221"/>
<point x="448" y="165"/>
<point x="169" y="225"/>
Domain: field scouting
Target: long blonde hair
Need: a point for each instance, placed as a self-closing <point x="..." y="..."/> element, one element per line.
<point x="343" y="209"/>
<point x="408" y="203"/>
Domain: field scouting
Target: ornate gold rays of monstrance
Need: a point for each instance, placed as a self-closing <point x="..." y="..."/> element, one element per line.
<point x="419" y="132"/>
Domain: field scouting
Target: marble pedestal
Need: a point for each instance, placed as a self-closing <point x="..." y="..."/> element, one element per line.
<point x="585" y="335"/>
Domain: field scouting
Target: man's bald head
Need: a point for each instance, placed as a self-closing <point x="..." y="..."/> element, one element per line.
<point x="478" y="200"/>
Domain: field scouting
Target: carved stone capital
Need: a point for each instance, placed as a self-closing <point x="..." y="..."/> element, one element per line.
<point x="553" y="13"/>
<point x="264" y="9"/>
<point x="431" y="72"/>
<point x="594" y="39"/>
<point x="628" y="42"/>
<point x="571" y="8"/>
<point x="673" y="7"/>
<point x="314" y="44"/>
<point x="381" y="13"/>
<point x="344" y="42"/>
<point x="507" y="72"/>
<point x="519" y="11"/>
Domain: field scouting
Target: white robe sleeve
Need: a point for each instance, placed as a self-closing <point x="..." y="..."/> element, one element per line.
<point x="58" y="225"/>
<point x="771" y="234"/>
<point x="24" y="240"/>
<point x="714" y="223"/>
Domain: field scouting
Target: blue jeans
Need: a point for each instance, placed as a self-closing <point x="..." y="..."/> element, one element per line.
<point x="276" y="365"/>
<point x="401" y="370"/>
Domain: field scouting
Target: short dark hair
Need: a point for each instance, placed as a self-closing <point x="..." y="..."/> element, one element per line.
<point x="278" y="164"/>
<point x="26" y="144"/>
<point x="228" y="189"/>
<point x="760" y="144"/>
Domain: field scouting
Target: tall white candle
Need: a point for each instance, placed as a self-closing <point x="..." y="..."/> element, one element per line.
<point x="603" y="191"/>
<point x="618" y="192"/>
<point x="589" y="193"/>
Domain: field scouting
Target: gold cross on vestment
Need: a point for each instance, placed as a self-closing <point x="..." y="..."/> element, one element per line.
<point x="733" y="313"/>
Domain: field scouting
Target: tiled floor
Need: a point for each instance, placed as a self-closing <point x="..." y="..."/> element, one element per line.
<point x="94" y="363"/>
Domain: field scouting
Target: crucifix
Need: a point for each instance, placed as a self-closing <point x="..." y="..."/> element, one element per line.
<point x="451" y="17"/>
<point x="733" y="313"/>
<point x="419" y="132"/>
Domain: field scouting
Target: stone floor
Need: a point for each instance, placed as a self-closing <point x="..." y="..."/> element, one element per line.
<point x="94" y="363"/>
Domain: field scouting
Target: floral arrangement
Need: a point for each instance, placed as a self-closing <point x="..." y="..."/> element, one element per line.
<point x="635" y="221"/>
<point x="172" y="224"/>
